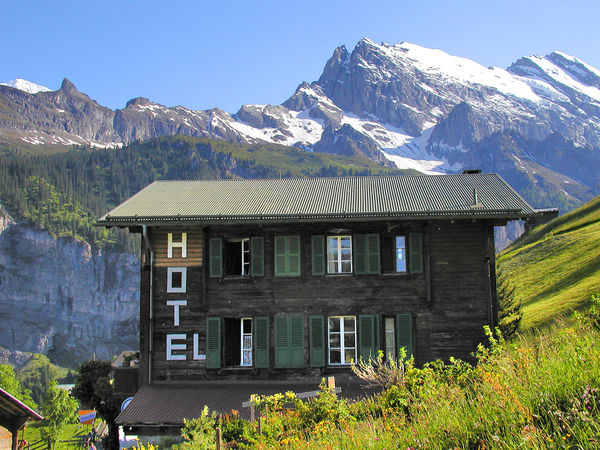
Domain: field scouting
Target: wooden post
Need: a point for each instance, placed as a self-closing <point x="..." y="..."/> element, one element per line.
<point x="331" y="383"/>
<point x="252" y="414"/>
<point x="219" y="442"/>
<point x="259" y="425"/>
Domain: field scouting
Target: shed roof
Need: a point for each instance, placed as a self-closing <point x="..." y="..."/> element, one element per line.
<point x="300" y="199"/>
<point x="13" y="412"/>
<point x="168" y="404"/>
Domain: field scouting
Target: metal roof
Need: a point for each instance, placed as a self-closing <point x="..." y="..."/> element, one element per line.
<point x="13" y="412"/>
<point x="168" y="404"/>
<point x="300" y="199"/>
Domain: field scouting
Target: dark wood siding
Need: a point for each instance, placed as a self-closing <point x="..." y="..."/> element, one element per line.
<point x="449" y="302"/>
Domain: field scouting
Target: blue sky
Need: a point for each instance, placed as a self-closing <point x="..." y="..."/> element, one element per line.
<point x="202" y="54"/>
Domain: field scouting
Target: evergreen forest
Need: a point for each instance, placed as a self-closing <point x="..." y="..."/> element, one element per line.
<point x="66" y="192"/>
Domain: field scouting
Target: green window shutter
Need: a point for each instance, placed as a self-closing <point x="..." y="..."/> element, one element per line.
<point x="213" y="342"/>
<point x="404" y="333"/>
<point x="282" y="344"/>
<point x="287" y="256"/>
<point x="261" y="342"/>
<point x="280" y="257"/>
<point x="216" y="257"/>
<point x="366" y="254"/>
<point x="318" y="255"/>
<point x="359" y="252"/>
<point x="368" y="336"/>
<point x="317" y="341"/>
<point x="293" y="249"/>
<point x="257" y="256"/>
<point x="374" y="260"/>
<point x="415" y="248"/>
<point x="296" y="327"/>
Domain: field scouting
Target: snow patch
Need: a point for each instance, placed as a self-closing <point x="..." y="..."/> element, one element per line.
<point x="562" y="77"/>
<point x="454" y="68"/>
<point x="26" y="86"/>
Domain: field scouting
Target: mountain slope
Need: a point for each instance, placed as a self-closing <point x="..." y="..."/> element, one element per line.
<point x="556" y="267"/>
<point x="536" y="123"/>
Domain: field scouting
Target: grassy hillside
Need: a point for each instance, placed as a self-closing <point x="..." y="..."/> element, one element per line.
<point x="556" y="268"/>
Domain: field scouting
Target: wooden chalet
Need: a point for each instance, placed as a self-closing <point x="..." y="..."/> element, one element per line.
<point x="263" y="283"/>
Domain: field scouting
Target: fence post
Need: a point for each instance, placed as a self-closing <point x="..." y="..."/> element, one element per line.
<point x="219" y="443"/>
<point x="331" y="383"/>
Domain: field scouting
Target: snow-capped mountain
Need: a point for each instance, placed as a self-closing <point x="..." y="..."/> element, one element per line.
<point x="536" y="122"/>
<point x="26" y="86"/>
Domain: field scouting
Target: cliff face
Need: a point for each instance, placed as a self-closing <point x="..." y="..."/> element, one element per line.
<point x="63" y="298"/>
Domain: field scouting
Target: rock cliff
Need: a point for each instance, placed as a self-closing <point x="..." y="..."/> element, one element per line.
<point x="63" y="298"/>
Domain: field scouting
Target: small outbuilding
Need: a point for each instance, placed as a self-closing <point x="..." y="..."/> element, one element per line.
<point x="14" y="414"/>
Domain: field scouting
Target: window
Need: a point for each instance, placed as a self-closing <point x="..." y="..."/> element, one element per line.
<point x="243" y="343"/>
<point x="176" y="279"/>
<point x="400" y="254"/>
<point x="342" y="339"/>
<point x="246" y="331"/>
<point x="238" y="341"/>
<point x="339" y="254"/>
<point x="390" y="338"/>
<point x="237" y="256"/>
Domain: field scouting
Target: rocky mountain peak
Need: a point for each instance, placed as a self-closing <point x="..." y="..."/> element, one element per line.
<point x="334" y="67"/>
<point x="67" y="87"/>
<point x="138" y="101"/>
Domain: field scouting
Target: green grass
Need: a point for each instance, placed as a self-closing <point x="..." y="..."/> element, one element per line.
<point x="71" y="431"/>
<point x="556" y="267"/>
<point x="540" y="391"/>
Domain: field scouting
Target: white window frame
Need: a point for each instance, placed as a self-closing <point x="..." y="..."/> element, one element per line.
<point x="341" y="333"/>
<point x="246" y="349"/>
<point x="396" y="259"/>
<point x="390" y="351"/>
<point x="170" y="272"/>
<point x="338" y="254"/>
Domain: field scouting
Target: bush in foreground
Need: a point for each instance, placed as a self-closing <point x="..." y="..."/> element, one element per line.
<point x="541" y="391"/>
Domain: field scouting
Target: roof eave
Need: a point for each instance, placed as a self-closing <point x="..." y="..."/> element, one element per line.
<point x="124" y="221"/>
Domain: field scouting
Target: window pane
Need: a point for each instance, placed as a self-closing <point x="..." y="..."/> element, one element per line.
<point x="400" y="254"/>
<point x="247" y="358"/>
<point x="349" y="356"/>
<point x="332" y="244"/>
<point x="348" y="339"/>
<point x="346" y="267"/>
<point x="247" y="325"/>
<point x="332" y="267"/>
<point x="247" y="344"/>
<point x="348" y="323"/>
<point x="389" y="339"/>
<point x="335" y="356"/>
<point x="334" y="324"/>
<point x="334" y="340"/>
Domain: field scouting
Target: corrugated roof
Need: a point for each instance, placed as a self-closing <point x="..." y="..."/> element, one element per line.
<point x="11" y="406"/>
<point x="168" y="404"/>
<point x="321" y="198"/>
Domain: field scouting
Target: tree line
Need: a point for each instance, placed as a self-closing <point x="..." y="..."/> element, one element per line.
<point x="65" y="193"/>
